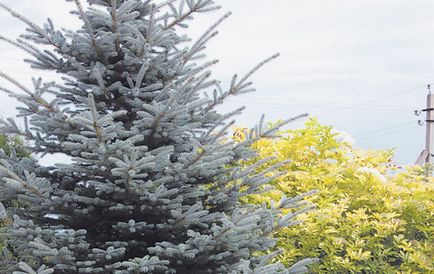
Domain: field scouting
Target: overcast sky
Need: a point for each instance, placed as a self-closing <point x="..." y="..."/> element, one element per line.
<point x="361" y="66"/>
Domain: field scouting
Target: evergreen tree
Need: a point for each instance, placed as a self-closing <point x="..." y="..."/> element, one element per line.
<point x="152" y="186"/>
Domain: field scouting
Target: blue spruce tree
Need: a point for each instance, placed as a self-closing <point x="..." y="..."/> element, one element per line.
<point x="153" y="185"/>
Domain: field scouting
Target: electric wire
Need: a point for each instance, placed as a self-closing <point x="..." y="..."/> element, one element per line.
<point x="373" y="100"/>
<point x="373" y="108"/>
<point x="324" y="104"/>
<point x="387" y="133"/>
<point x="383" y="129"/>
<point x="401" y="107"/>
<point x="307" y="103"/>
<point x="318" y="86"/>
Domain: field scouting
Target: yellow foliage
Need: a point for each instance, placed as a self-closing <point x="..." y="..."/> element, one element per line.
<point x="370" y="218"/>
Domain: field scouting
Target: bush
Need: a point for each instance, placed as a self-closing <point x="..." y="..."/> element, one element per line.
<point x="370" y="218"/>
<point x="9" y="145"/>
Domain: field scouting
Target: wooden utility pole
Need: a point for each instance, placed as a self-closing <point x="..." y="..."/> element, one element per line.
<point x="427" y="154"/>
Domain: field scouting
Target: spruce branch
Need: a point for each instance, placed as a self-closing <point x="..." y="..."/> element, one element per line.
<point x="206" y="36"/>
<point x="24" y="46"/>
<point x="238" y="87"/>
<point x="238" y="217"/>
<point x="199" y="155"/>
<point x="160" y="115"/>
<point x="26" y="269"/>
<point x="24" y="184"/>
<point x="115" y="25"/>
<point x="294" y="201"/>
<point x="32" y="25"/>
<point x="46" y="58"/>
<point x="180" y="19"/>
<point x="96" y="126"/>
<point x="90" y="31"/>
<point x="194" y="6"/>
<point x="152" y="25"/>
<point x="209" y="31"/>
<point x="240" y="174"/>
<point x="47" y="38"/>
<point x="222" y="131"/>
<point x="15" y="82"/>
<point x="204" y="138"/>
<point x="8" y="91"/>
<point x="197" y="46"/>
<point x="195" y="85"/>
<point x="164" y="4"/>
<point x="37" y="99"/>
<point x="269" y="133"/>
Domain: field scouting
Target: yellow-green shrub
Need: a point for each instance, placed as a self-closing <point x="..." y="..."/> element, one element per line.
<point x="370" y="217"/>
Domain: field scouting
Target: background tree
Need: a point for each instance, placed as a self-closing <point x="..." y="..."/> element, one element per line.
<point x="371" y="217"/>
<point x="152" y="186"/>
<point x="11" y="147"/>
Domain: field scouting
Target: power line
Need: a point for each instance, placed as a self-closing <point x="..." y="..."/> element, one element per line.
<point x="317" y="101"/>
<point x="317" y="86"/>
<point x="258" y="83"/>
<point x="382" y="129"/>
<point x="387" y="133"/>
<point x="322" y="106"/>
<point x="373" y="100"/>
<point x="308" y="102"/>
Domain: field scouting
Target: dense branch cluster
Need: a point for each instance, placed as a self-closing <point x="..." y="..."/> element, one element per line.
<point x="152" y="186"/>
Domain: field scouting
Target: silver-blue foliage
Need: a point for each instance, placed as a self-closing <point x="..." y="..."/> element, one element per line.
<point x="153" y="186"/>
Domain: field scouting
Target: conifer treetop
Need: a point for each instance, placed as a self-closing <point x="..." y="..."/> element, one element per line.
<point x="152" y="186"/>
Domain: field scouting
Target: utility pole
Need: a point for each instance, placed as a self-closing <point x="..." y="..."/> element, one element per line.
<point x="427" y="154"/>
